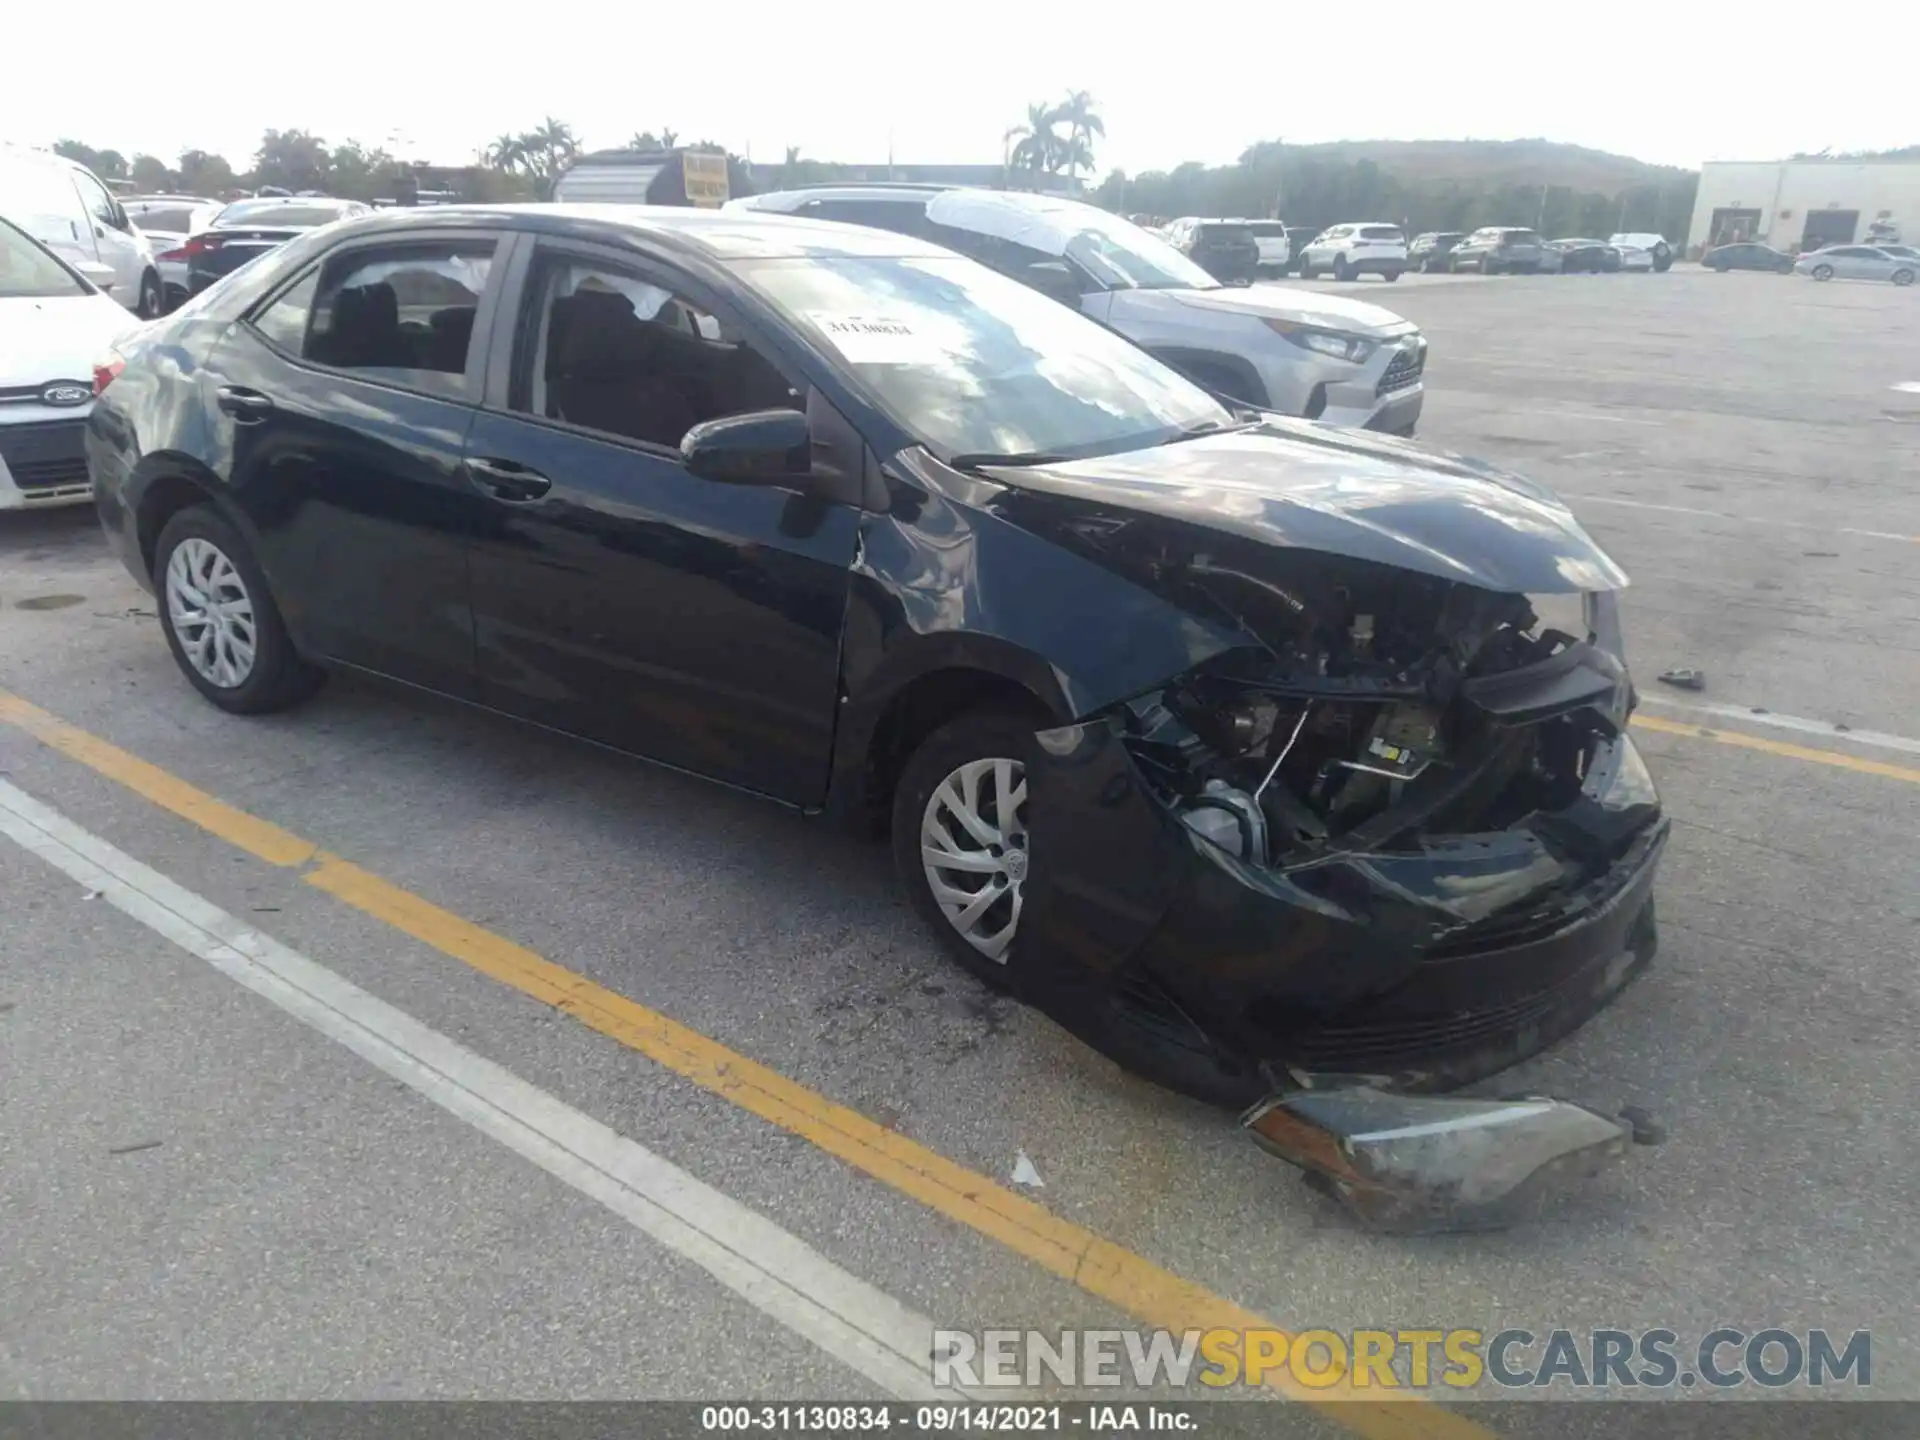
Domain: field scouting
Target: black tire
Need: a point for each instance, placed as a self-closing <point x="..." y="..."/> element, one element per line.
<point x="1341" y="269"/>
<point x="279" y="678"/>
<point x="1903" y="276"/>
<point x="1720" y="267"/>
<point x="975" y="735"/>
<point x="1487" y="267"/>
<point x="1390" y="275"/>
<point x="152" y="297"/>
<point x="1823" y="272"/>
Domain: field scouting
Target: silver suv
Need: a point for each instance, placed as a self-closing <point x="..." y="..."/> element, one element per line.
<point x="1327" y="357"/>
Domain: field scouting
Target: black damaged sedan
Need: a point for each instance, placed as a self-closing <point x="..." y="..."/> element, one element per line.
<point x="1278" y="762"/>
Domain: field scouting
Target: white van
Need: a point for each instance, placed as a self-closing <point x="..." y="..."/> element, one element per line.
<point x="64" y="206"/>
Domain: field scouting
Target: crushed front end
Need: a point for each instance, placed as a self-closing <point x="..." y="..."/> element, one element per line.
<point x="1398" y="844"/>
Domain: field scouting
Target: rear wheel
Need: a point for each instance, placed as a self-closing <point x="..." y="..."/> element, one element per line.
<point x="960" y="837"/>
<point x="1341" y="269"/>
<point x="1903" y="276"/>
<point x="1391" y="275"/>
<point x="220" y="618"/>
<point x="152" y="300"/>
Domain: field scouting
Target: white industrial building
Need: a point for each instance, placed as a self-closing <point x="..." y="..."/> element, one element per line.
<point x="1804" y="204"/>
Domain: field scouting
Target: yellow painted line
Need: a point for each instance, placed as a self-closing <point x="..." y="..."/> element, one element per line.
<point x="1154" y="1296"/>
<point x="1783" y="748"/>
<point x="257" y="837"/>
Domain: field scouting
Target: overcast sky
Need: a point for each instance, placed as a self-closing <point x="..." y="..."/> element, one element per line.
<point x="1669" y="82"/>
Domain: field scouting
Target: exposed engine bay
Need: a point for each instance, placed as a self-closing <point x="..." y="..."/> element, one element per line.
<point x="1377" y="703"/>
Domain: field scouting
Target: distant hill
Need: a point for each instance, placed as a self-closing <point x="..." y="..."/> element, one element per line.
<point x="1492" y="164"/>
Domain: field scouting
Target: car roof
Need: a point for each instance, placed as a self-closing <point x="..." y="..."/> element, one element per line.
<point x="715" y="234"/>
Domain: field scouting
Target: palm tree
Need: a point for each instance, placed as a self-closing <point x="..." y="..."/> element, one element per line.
<point x="1083" y="123"/>
<point x="643" y="140"/>
<point x="506" y="153"/>
<point x="1036" y="142"/>
<point x="546" y="149"/>
<point x="790" y="167"/>
<point x="667" y="137"/>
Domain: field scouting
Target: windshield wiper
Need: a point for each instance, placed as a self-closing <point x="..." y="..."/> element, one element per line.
<point x="1014" y="457"/>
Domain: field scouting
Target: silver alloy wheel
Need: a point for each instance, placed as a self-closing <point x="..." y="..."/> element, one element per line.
<point x="973" y="845"/>
<point x="211" y="613"/>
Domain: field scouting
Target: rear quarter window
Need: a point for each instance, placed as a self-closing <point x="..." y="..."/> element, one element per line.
<point x="1381" y="232"/>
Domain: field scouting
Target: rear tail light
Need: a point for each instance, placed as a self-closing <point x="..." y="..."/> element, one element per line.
<point x="106" y="371"/>
<point x="197" y="245"/>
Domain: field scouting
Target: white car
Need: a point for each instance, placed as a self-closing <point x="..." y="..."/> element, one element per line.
<point x="64" y="206"/>
<point x="1656" y="246"/>
<point x="168" y="222"/>
<point x="1275" y="248"/>
<point x="1346" y="251"/>
<point x="1632" y="257"/>
<point x="55" y="326"/>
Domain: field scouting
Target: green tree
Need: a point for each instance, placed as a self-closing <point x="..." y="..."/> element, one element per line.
<point x="505" y="154"/>
<point x="357" y="173"/>
<point x="1083" y="122"/>
<point x="1036" y="144"/>
<point x="202" y="173"/>
<point x="293" y="160"/>
<point x="545" y="151"/>
<point x="108" y="164"/>
<point x="150" y="173"/>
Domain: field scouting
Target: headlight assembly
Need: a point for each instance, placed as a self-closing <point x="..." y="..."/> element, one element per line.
<point x="1341" y="346"/>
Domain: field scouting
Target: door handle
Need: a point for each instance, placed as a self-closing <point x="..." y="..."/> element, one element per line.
<point x="508" y="480"/>
<point x="247" y="406"/>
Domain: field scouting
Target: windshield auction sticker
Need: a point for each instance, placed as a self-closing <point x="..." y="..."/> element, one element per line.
<point x="878" y="339"/>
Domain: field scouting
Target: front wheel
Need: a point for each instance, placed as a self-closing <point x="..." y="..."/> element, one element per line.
<point x="1390" y="275"/>
<point x="220" y="619"/>
<point x="1903" y="277"/>
<point x="1823" y="272"/>
<point x="960" y="838"/>
<point x="152" y="301"/>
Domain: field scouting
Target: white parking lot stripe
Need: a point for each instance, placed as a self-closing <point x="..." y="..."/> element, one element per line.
<point x="1879" y="739"/>
<point x="774" y="1271"/>
<point x="1739" y="519"/>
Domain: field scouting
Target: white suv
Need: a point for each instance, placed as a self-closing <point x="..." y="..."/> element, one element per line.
<point x="1327" y="357"/>
<point x="1354" y="249"/>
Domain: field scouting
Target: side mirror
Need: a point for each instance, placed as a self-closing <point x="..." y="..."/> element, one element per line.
<point x="762" y="447"/>
<point x="102" y="276"/>
<point x="1053" y="278"/>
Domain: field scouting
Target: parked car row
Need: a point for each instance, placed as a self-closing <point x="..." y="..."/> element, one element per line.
<point x="1251" y="749"/>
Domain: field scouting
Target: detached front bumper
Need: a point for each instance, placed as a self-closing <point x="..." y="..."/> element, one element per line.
<point x="1423" y="969"/>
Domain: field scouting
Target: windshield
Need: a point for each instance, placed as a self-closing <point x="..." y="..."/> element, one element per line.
<point x="28" y="272"/>
<point x="1122" y="256"/>
<point x="279" y="214"/>
<point x="970" y="362"/>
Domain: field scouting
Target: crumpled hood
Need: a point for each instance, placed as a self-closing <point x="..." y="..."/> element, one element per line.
<point x="1302" y="486"/>
<point x="57" y="338"/>
<point x="1304" y="307"/>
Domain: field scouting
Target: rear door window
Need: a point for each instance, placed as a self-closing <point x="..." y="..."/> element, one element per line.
<point x="402" y="314"/>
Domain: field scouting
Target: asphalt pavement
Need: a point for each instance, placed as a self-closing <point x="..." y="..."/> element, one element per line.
<point x="205" y="1196"/>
